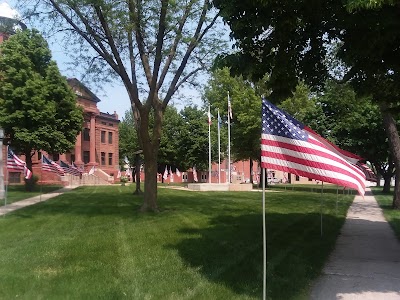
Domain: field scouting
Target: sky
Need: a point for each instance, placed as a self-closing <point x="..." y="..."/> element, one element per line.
<point x="114" y="96"/>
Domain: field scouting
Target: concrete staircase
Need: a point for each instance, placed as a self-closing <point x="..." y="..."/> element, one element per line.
<point x="86" y="179"/>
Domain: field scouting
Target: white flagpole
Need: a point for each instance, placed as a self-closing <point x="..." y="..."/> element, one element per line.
<point x="7" y="178"/>
<point x="219" y="148"/>
<point x="229" y="140"/>
<point x="209" y="145"/>
<point x="264" y="239"/>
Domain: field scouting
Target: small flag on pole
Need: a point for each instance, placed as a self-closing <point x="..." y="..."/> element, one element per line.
<point x="229" y="107"/>
<point x="165" y="176"/>
<point x="69" y="169"/>
<point x="195" y="174"/>
<point x="92" y="170"/>
<point x="51" y="166"/>
<point x="14" y="163"/>
<point x="171" y="175"/>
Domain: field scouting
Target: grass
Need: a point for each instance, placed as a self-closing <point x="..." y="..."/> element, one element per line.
<point x="391" y="215"/>
<point x="92" y="243"/>
<point x="314" y="188"/>
<point x="17" y="192"/>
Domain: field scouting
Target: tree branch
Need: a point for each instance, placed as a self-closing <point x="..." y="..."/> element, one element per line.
<point x="197" y="36"/>
<point x="177" y="39"/>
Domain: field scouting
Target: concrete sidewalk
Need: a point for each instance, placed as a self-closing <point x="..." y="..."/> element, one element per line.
<point x="366" y="261"/>
<point x="33" y="200"/>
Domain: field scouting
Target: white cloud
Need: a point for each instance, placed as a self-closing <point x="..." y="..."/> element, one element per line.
<point x="7" y="11"/>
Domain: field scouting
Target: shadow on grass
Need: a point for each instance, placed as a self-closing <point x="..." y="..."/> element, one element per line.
<point x="229" y="252"/>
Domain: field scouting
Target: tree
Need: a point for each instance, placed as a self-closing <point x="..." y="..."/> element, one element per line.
<point x="291" y="41"/>
<point x="356" y="125"/>
<point x="305" y="107"/>
<point x="193" y="140"/>
<point x="160" y="45"/>
<point x="246" y="107"/>
<point x="38" y="109"/>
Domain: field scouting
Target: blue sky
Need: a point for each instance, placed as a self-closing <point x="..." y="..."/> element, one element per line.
<point x="114" y="96"/>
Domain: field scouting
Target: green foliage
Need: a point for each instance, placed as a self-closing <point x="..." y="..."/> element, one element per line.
<point x="306" y="108"/>
<point x="128" y="141"/>
<point x="38" y="110"/>
<point x="184" y="139"/>
<point x="246" y="108"/>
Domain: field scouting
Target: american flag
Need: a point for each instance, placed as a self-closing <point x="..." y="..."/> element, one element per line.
<point x="171" y="176"/>
<point x="14" y="163"/>
<point x="369" y="174"/>
<point x="165" y="176"/>
<point x="289" y="146"/>
<point x="195" y="174"/>
<point x="70" y="169"/>
<point x="51" y="166"/>
<point x="229" y="107"/>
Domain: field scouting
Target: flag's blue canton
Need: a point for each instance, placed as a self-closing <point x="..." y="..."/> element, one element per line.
<point x="277" y="122"/>
<point x="46" y="160"/>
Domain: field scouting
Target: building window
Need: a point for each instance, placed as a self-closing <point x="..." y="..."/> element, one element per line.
<point x="103" y="136"/>
<point x="103" y="123"/>
<point x="86" y="134"/>
<point x="111" y="124"/>
<point x="39" y="155"/>
<point x="110" y="137"/>
<point x="14" y="177"/>
<point x="309" y="179"/>
<point x="103" y="158"/>
<point x="72" y="157"/>
<point x="297" y="178"/>
<point x="56" y="157"/>
<point x="110" y="159"/>
<point x="86" y="157"/>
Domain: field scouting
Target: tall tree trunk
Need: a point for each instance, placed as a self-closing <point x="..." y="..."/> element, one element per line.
<point x="386" y="186"/>
<point x="150" y="144"/>
<point x="378" y="180"/>
<point x="137" y="175"/>
<point x="394" y="142"/>
<point x="150" y="181"/>
<point x="251" y="170"/>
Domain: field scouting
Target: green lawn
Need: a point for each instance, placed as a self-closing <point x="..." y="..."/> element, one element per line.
<point x="92" y="243"/>
<point x="391" y="215"/>
<point x="17" y="192"/>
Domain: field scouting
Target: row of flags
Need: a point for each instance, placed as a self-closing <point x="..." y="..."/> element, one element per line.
<point x="14" y="163"/>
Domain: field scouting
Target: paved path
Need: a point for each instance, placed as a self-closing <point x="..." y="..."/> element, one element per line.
<point x="33" y="200"/>
<point x="366" y="261"/>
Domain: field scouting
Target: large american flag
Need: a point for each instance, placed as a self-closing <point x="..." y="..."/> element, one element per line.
<point x="289" y="146"/>
<point x="70" y="169"/>
<point x="14" y="163"/>
<point x="51" y="166"/>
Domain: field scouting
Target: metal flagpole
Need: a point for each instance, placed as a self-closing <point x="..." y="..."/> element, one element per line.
<point x="229" y="139"/>
<point x="219" y="148"/>
<point x="41" y="179"/>
<point x="337" y="198"/>
<point x="209" y="145"/>
<point x="322" y="192"/>
<point x="8" y="181"/>
<point x="264" y="239"/>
